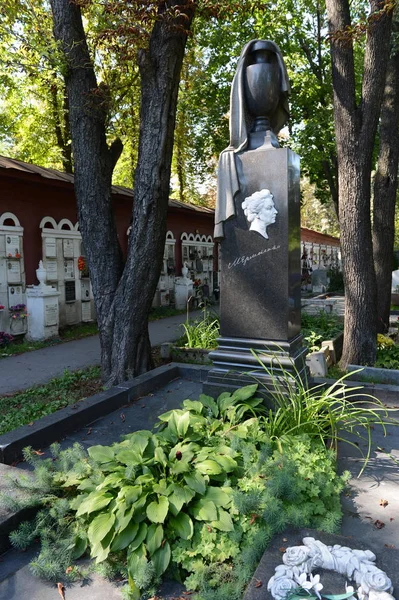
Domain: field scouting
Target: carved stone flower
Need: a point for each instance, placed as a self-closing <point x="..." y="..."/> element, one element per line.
<point x="280" y="586"/>
<point x="296" y="555"/>
<point x="376" y="580"/>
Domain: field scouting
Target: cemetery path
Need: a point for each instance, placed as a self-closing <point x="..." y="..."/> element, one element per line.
<point x="39" y="366"/>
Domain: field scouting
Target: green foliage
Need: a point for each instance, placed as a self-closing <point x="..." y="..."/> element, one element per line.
<point x="387" y="357"/>
<point x="34" y="403"/>
<point x="336" y="280"/>
<point x="320" y="327"/>
<point x="204" y="495"/>
<point x="327" y="412"/>
<point x="201" y="333"/>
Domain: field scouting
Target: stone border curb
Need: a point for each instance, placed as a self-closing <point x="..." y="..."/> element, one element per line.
<point x="52" y="427"/>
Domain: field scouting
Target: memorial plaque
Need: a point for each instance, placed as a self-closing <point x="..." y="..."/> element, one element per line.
<point x="52" y="270"/>
<point x="50" y="247"/>
<point x="86" y="311"/>
<point x="67" y="248"/>
<point x="69" y="272"/>
<point x="13" y="271"/>
<point x="12" y="245"/>
<point x="51" y="314"/>
<point x="15" y="295"/>
<point x="70" y="291"/>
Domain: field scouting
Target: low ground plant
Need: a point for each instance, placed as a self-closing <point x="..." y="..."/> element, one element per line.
<point x="331" y="413"/>
<point x="25" y="407"/>
<point x="316" y="328"/>
<point x="200" y="498"/>
<point x="201" y="333"/>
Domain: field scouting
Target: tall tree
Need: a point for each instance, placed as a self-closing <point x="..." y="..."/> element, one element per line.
<point x="385" y="187"/>
<point x="356" y="120"/>
<point x="123" y="293"/>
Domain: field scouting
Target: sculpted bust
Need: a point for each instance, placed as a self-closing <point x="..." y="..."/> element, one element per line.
<point x="260" y="211"/>
<point x="258" y="103"/>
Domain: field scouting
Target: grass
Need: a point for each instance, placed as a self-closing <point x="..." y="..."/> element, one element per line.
<point x="23" y="408"/>
<point x="26" y="407"/>
<point x="76" y="332"/>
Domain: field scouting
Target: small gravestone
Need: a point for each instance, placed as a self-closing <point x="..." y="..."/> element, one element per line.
<point x="257" y="221"/>
<point x="319" y="281"/>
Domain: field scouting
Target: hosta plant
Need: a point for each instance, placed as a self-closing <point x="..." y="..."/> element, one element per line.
<point x="207" y="487"/>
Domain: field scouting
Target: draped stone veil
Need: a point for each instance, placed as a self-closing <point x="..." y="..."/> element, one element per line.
<point x="240" y="125"/>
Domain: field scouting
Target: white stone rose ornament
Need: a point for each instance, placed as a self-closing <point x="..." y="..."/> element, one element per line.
<point x="294" y="579"/>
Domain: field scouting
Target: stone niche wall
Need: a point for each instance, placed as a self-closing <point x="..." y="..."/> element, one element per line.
<point x="12" y="275"/>
<point x="61" y="249"/>
<point x="198" y="254"/>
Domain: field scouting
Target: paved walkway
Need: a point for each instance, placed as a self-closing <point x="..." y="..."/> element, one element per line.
<point x="39" y="366"/>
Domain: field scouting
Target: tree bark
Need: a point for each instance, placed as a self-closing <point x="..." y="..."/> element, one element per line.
<point x="160" y="68"/>
<point x="355" y="127"/>
<point x="123" y="294"/>
<point x="385" y="188"/>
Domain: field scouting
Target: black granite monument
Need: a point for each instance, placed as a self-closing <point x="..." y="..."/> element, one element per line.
<point x="257" y="222"/>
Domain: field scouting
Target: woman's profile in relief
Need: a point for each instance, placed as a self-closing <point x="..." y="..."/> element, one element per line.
<point x="260" y="211"/>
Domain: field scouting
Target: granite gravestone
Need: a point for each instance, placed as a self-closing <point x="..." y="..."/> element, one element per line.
<point x="257" y="221"/>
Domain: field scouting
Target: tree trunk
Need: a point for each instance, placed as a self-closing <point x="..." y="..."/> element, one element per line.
<point x="94" y="163"/>
<point x="123" y="294"/>
<point x="160" y="68"/>
<point x="355" y="127"/>
<point x="385" y="188"/>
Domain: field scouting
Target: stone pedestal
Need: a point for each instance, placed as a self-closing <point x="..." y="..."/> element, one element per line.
<point x="43" y="311"/>
<point x="183" y="291"/>
<point x="260" y="292"/>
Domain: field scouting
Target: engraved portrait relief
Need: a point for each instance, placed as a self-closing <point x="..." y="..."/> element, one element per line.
<point x="260" y="211"/>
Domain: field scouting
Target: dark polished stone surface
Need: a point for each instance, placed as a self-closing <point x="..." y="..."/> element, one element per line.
<point x="260" y="278"/>
<point x="260" y="301"/>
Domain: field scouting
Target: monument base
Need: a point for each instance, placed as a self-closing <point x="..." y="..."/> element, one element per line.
<point x="276" y="366"/>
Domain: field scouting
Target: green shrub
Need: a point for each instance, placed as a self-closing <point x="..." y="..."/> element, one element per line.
<point x="320" y="327"/>
<point x="336" y="280"/>
<point x="201" y="497"/>
<point x="201" y="333"/>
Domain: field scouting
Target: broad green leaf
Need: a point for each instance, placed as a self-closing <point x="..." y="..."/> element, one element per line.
<point x="218" y="496"/>
<point x="136" y="561"/>
<point x="160" y="456"/>
<point x="180" y="495"/>
<point x="128" y="456"/>
<point x="165" y="417"/>
<point x="131" y="493"/>
<point x="111" y="480"/>
<point x="205" y="510"/>
<point x="123" y="517"/>
<point x="101" y="454"/>
<point x="123" y="539"/>
<point x="181" y="466"/>
<point x="134" y="591"/>
<point x="183" y="526"/>
<point x="139" y="440"/>
<point x="209" y="403"/>
<point x="226" y="462"/>
<point x="154" y="538"/>
<point x="196" y="482"/>
<point x="224" y="522"/>
<point x="157" y="511"/>
<point x="245" y="392"/>
<point x="99" y="527"/>
<point x="209" y="467"/>
<point x="182" y="423"/>
<point x="161" y="487"/>
<point x="193" y="405"/>
<point x="80" y="546"/>
<point x="94" y="501"/>
<point x="161" y="559"/>
<point x="140" y="537"/>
